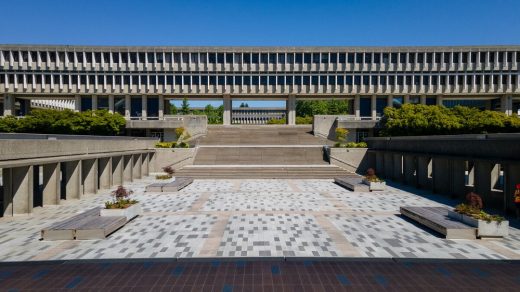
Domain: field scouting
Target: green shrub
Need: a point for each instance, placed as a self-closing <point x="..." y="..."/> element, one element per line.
<point x="341" y="134"/>
<point x="179" y="131"/>
<point x="165" y="145"/>
<point x="351" y="145"/>
<point x="304" y="120"/>
<point x="184" y="145"/>
<point x="47" y="121"/>
<point x="277" y="121"/>
<point x="418" y="120"/>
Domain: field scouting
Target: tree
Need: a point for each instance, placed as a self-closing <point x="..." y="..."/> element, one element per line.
<point x="173" y="109"/>
<point x="185" y="107"/>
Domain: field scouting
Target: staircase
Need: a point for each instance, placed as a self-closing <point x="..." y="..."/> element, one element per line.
<point x="260" y="152"/>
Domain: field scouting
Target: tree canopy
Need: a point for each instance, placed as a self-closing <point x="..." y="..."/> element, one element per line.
<point x="416" y="120"/>
<point x="309" y="108"/>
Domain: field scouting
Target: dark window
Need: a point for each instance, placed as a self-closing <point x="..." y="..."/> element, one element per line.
<point x="391" y="79"/>
<point x="229" y="58"/>
<point x="185" y="58"/>
<point x="316" y="58"/>
<point x="478" y="79"/>
<point x="290" y="58"/>
<point x="52" y="56"/>
<point x="400" y="80"/>
<point x="443" y="80"/>
<point x="229" y="80"/>
<point x="434" y="79"/>
<point x="169" y="80"/>
<point x="272" y="80"/>
<point x="153" y="79"/>
<point x="417" y="80"/>
<point x="307" y="58"/>
<point x="425" y="80"/>
<point x="348" y="80"/>
<point x="152" y="106"/>
<point x="438" y="57"/>
<point x="350" y="58"/>
<point x="110" y="79"/>
<point x="394" y="58"/>
<point x="342" y="58"/>
<point x="255" y="58"/>
<point x="299" y="58"/>
<point x="264" y="58"/>
<point x="382" y="80"/>
<point x="159" y="57"/>
<point x="141" y="58"/>
<point x="151" y="57"/>
<point x="106" y="57"/>
<point x="281" y="58"/>
<point x="315" y="80"/>
<point x="272" y="58"/>
<point x="386" y="58"/>
<point x="486" y="79"/>
<point x="238" y="58"/>
<point x="34" y="56"/>
<point x="247" y="58"/>
<point x="332" y="80"/>
<point x="402" y="58"/>
<point x="491" y="57"/>
<point x="460" y="80"/>
<point x="288" y="80"/>
<point x="212" y="58"/>
<point x="420" y="58"/>
<point x="473" y="57"/>
<point x="83" y="79"/>
<point x="411" y="58"/>
<point x="15" y="56"/>
<point x="133" y="58"/>
<point x="509" y="56"/>
<point x="447" y="58"/>
<point x="74" y="80"/>
<point x="61" y="56"/>
<point x="323" y="80"/>
<point x="366" y="79"/>
<point x="333" y="57"/>
<point x="97" y="57"/>
<point x="340" y="80"/>
<point x="86" y="103"/>
<point x="221" y="79"/>
<point x="377" y="58"/>
<point x="136" y="105"/>
<point x="368" y="58"/>
<point x="482" y="57"/>
<point x="247" y="80"/>
<point x="280" y="80"/>
<point x="373" y="80"/>
<point x="198" y="57"/>
<point x="429" y="58"/>
<point x="298" y="80"/>
<point x="469" y="80"/>
<point x="504" y="79"/>
<point x="102" y="102"/>
<point x="212" y="80"/>
<point x="204" y="80"/>
<point x="451" y="80"/>
<point x="357" y="80"/>
<point x="144" y="79"/>
<point x="324" y="58"/>
<point x="306" y="80"/>
<point x="408" y="80"/>
<point x="456" y="57"/>
<point x="92" y="79"/>
<point x="220" y="58"/>
<point x="464" y="57"/>
<point x="124" y="57"/>
<point x="119" y="105"/>
<point x="115" y="57"/>
<point x="117" y="79"/>
<point x="518" y="56"/>
<point x="359" y="58"/>
<point x="186" y="80"/>
<point x="495" y="79"/>
<point x="263" y="80"/>
<point x="255" y="80"/>
<point x="500" y="57"/>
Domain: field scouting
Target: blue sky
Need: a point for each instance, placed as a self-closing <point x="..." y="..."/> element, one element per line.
<point x="261" y="23"/>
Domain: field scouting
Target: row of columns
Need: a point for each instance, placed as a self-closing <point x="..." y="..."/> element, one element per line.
<point x="77" y="178"/>
<point x="162" y="108"/>
<point x="290" y="105"/>
<point x="454" y="177"/>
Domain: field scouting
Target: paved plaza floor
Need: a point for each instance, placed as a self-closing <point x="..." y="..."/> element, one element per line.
<point x="253" y="218"/>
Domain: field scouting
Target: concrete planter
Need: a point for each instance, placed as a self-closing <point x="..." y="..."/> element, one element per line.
<point x="375" y="186"/>
<point x="484" y="229"/>
<point x="130" y="212"/>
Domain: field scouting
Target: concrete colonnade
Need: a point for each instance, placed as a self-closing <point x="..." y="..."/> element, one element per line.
<point x="494" y="181"/>
<point x="71" y="179"/>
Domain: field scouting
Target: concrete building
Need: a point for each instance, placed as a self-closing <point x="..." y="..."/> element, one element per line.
<point x="138" y="82"/>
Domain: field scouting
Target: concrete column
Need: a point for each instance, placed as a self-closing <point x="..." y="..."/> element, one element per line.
<point x="357" y="111"/>
<point x="389" y="165"/>
<point x="94" y="102"/>
<point x="9" y="107"/>
<point x="18" y="190"/>
<point x="105" y="172"/>
<point x="51" y="184"/>
<point x="458" y="178"/>
<point x="166" y="107"/>
<point x="506" y="104"/>
<point x="137" y="167"/>
<point x="128" y="163"/>
<point x="291" y="110"/>
<point x="511" y="178"/>
<point x="89" y="176"/>
<point x="145" y="164"/>
<point x="117" y="171"/>
<point x="151" y="162"/>
<point x="423" y="99"/>
<point x="373" y="106"/>
<point x="423" y="172"/>
<point x="227" y="110"/>
<point x="397" y="167"/>
<point x="439" y="99"/>
<point x="380" y="164"/>
<point x="77" y="103"/>
<point x="390" y="101"/>
<point x="128" y="106"/>
<point x="161" y="107"/>
<point x="483" y="184"/>
<point x="409" y="170"/>
<point x="441" y="175"/>
<point x="111" y="104"/>
<point x="144" y="107"/>
<point x="73" y="183"/>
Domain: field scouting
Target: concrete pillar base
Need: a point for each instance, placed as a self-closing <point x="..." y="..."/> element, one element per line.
<point x="18" y="191"/>
<point x="73" y="182"/>
<point x="117" y="171"/>
<point x="89" y="176"/>
<point x="51" y="184"/>
<point x="105" y="172"/>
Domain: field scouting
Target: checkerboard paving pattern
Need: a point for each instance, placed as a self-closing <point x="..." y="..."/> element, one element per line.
<point x="275" y="235"/>
<point x="251" y="218"/>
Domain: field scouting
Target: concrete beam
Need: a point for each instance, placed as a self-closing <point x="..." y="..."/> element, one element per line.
<point x="18" y="190"/>
<point x="73" y="182"/>
<point x="105" y="172"/>
<point x="423" y="171"/>
<point x="9" y="107"/>
<point x="145" y="160"/>
<point x="483" y="171"/>
<point x="51" y="184"/>
<point x="89" y="175"/>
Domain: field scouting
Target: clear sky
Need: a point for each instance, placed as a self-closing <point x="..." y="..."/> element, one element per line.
<point x="261" y="23"/>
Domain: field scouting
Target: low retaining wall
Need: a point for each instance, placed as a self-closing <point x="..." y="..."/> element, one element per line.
<point x="174" y="157"/>
<point x="356" y="160"/>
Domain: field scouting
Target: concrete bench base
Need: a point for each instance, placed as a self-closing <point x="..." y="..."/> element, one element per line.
<point x="436" y="218"/>
<point x="87" y="225"/>
<point x="354" y="184"/>
<point x="178" y="184"/>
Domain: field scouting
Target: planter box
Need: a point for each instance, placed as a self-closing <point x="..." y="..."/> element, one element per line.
<point x="130" y="212"/>
<point x="484" y="229"/>
<point x="375" y="186"/>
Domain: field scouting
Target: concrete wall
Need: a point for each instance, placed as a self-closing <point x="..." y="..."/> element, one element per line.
<point x="175" y="157"/>
<point x="325" y="126"/>
<point x="352" y="159"/>
<point x="31" y="148"/>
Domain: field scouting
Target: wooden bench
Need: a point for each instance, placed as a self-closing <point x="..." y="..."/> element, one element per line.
<point x="178" y="184"/>
<point x="352" y="183"/>
<point x="86" y="225"/>
<point x="436" y="218"/>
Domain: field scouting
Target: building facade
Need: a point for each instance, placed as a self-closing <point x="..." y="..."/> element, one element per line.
<point x="138" y="82"/>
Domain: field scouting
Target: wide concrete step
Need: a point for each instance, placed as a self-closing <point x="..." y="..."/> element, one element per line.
<point x="261" y="172"/>
<point x="260" y="156"/>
